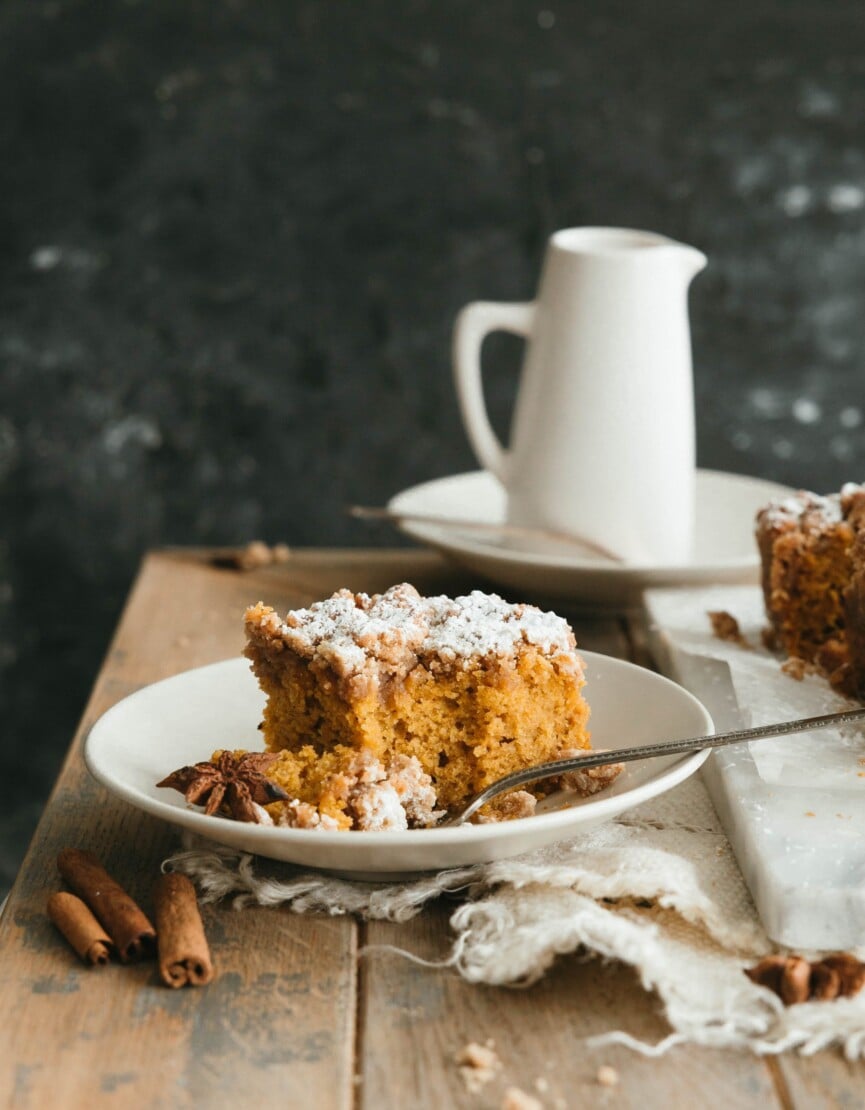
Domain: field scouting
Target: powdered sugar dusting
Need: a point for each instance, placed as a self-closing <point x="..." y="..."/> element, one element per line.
<point x="789" y="510"/>
<point x="812" y="511"/>
<point x="398" y="627"/>
<point x="377" y="807"/>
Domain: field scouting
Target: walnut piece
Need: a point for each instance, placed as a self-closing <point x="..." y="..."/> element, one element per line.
<point x="794" y="979"/>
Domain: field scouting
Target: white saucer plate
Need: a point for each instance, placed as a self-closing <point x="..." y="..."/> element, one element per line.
<point x="183" y="719"/>
<point x="724" y="545"/>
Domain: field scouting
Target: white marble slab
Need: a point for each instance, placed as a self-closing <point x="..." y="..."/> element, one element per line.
<point x="794" y="807"/>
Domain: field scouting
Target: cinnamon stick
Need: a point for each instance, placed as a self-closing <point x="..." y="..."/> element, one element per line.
<point x="123" y="919"/>
<point x="84" y="933"/>
<point x="184" y="955"/>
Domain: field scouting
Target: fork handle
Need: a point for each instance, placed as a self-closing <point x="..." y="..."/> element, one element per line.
<point x="651" y="751"/>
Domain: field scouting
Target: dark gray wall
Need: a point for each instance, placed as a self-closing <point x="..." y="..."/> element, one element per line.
<point x="233" y="237"/>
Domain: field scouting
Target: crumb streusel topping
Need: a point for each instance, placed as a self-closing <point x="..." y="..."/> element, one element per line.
<point x="812" y="511"/>
<point x="388" y="633"/>
<point x="399" y="796"/>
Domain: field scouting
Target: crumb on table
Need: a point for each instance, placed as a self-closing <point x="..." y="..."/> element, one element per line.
<point x="478" y="1064"/>
<point x="726" y="627"/>
<point x="797" y="668"/>
<point x="254" y="555"/>
<point x="517" y="1099"/>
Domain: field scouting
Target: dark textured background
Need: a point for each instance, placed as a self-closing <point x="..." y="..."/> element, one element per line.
<point x="233" y="237"/>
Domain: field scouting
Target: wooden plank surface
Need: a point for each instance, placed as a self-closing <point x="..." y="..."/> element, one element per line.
<point x="280" y="1016"/>
<point x="294" y="1018"/>
<point x="413" y="1021"/>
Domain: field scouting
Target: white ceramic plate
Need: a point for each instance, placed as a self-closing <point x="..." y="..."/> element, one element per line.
<point x="724" y="546"/>
<point x="183" y="719"/>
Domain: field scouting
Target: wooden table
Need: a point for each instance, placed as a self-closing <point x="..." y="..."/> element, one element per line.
<point x="298" y="1016"/>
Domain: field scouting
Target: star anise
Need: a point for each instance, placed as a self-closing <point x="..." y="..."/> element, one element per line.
<point x="233" y="783"/>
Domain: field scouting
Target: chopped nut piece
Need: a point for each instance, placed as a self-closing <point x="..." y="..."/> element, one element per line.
<point x="726" y="627"/>
<point x="825" y="982"/>
<point x="850" y="971"/>
<point x="516" y="1099"/>
<point x="607" y="1076"/>
<point x="796" y="980"/>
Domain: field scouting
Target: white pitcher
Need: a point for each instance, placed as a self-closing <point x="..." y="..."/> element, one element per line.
<point x="602" y="440"/>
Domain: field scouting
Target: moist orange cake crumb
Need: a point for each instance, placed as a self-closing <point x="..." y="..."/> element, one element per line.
<point x="812" y="550"/>
<point x="426" y="699"/>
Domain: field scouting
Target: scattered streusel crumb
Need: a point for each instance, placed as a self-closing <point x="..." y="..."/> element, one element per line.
<point x="797" y="668"/>
<point x="810" y="813"/>
<point x="508" y="807"/>
<point x="516" y="1099"/>
<point x="542" y="1085"/>
<point x="256" y="554"/>
<point x="591" y="781"/>
<point x="726" y="627"/>
<point x="478" y="1064"/>
<point x="607" y="1076"/>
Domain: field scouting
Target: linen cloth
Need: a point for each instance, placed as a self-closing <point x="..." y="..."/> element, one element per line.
<point x="656" y="887"/>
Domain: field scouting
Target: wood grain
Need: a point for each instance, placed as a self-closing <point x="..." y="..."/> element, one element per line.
<point x="823" y="1082"/>
<point x="279" y="1017"/>
<point x="293" y="1018"/>
<point x="414" y="1020"/>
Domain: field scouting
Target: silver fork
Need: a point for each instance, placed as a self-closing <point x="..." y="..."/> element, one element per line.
<point x="646" y="751"/>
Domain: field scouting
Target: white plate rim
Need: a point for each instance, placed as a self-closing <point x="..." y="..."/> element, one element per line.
<point x="454" y="543"/>
<point x="224" y="830"/>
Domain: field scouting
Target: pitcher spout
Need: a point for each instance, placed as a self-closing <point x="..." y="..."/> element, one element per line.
<point x="691" y="261"/>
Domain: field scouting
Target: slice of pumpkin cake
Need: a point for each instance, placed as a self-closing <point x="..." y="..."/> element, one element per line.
<point x="422" y="699"/>
<point x="812" y="550"/>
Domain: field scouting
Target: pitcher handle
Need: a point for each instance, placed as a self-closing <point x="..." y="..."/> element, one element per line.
<point x="473" y="324"/>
